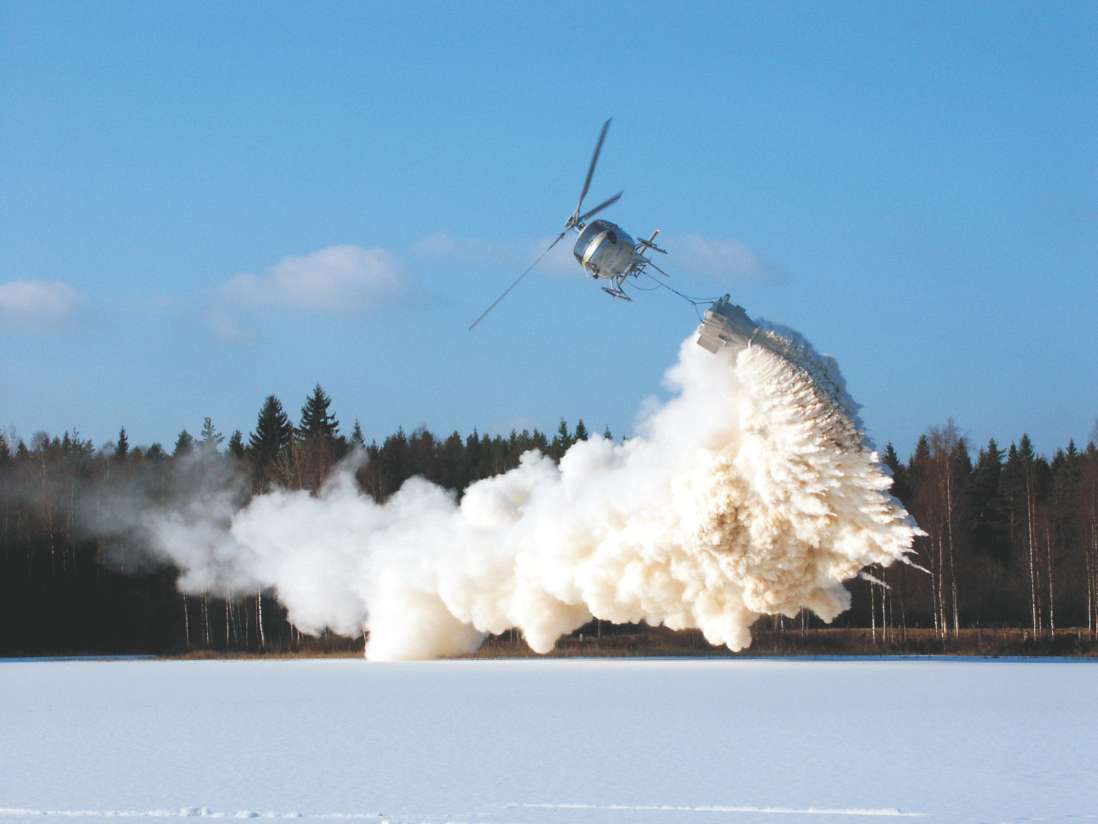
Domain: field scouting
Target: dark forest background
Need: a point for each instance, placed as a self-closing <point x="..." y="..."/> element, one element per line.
<point x="1012" y="537"/>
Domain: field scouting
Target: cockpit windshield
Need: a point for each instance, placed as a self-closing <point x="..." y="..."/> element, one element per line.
<point x="590" y="232"/>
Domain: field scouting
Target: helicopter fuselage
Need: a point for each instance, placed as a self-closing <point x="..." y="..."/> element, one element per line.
<point x="605" y="250"/>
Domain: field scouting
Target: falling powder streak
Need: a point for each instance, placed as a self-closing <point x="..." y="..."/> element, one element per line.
<point x="751" y="491"/>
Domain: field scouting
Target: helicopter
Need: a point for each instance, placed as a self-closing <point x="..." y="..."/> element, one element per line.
<point x="604" y="249"/>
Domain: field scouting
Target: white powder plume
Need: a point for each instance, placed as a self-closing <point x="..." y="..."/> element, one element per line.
<point x="752" y="491"/>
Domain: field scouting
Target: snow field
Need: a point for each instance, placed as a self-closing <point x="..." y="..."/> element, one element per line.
<point x="549" y="740"/>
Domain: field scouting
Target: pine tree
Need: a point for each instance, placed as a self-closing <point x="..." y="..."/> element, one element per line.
<point x="316" y="420"/>
<point x="184" y="444"/>
<point x="606" y="433"/>
<point x="236" y="444"/>
<point x="210" y="439"/>
<point x="122" y="449"/>
<point x="581" y="433"/>
<point x="273" y="431"/>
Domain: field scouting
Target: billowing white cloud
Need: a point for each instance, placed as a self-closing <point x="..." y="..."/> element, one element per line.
<point x="335" y="278"/>
<point x="37" y="300"/>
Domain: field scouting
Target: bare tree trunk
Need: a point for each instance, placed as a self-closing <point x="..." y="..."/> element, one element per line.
<point x="903" y="604"/>
<point x="1032" y="560"/>
<point x="1094" y="578"/>
<point x="259" y="618"/>
<point x="206" y="621"/>
<point x="1090" y="590"/>
<point x="886" y="612"/>
<point x="949" y="535"/>
<point x="1051" y="603"/>
<point x="931" y="558"/>
<point x="942" y="626"/>
<point x="1092" y="571"/>
<point x="872" y="612"/>
<point x="186" y="622"/>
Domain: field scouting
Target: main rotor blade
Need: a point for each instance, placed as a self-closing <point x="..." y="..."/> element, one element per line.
<point x="610" y="201"/>
<point x="516" y="283"/>
<point x="594" y="161"/>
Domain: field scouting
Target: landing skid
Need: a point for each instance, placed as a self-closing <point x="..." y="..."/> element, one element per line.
<point x="617" y="293"/>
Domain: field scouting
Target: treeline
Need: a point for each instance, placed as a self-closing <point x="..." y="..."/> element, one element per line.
<point x="65" y="588"/>
<point x="1012" y="541"/>
<point x="1012" y="536"/>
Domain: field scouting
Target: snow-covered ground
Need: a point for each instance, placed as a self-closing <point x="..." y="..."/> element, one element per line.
<point x="550" y="740"/>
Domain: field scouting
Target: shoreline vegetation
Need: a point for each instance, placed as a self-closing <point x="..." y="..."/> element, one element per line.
<point x="603" y="640"/>
<point x="633" y="641"/>
<point x="660" y="642"/>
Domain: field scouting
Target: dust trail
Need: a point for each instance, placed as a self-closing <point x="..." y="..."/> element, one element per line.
<point x="751" y="491"/>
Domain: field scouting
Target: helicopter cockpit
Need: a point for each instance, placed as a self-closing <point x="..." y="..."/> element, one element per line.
<point x="589" y="234"/>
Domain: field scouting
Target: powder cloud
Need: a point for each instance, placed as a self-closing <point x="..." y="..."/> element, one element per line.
<point x="752" y="491"/>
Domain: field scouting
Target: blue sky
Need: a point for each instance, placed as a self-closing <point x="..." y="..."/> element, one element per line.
<point x="206" y="203"/>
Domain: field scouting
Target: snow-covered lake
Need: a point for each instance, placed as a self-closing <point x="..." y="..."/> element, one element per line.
<point x="550" y="740"/>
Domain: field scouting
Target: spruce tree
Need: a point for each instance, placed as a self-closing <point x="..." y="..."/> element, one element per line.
<point x="918" y="463"/>
<point x="1026" y="451"/>
<point x="236" y="444"/>
<point x="900" y="487"/>
<point x="5" y="451"/>
<point x="581" y="433"/>
<point x="122" y="449"/>
<point x="562" y="441"/>
<point x="316" y="420"/>
<point x="990" y="527"/>
<point x="184" y="444"/>
<point x="273" y="431"/>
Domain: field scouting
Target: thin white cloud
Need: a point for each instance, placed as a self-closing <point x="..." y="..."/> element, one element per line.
<point x="333" y="279"/>
<point x="443" y="245"/>
<point x="511" y="255"/>
<point x="37" y="300"/>
<point x="559" y="261"/>
<point x="223" y="326"/>
<point x="717" y="258"/>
